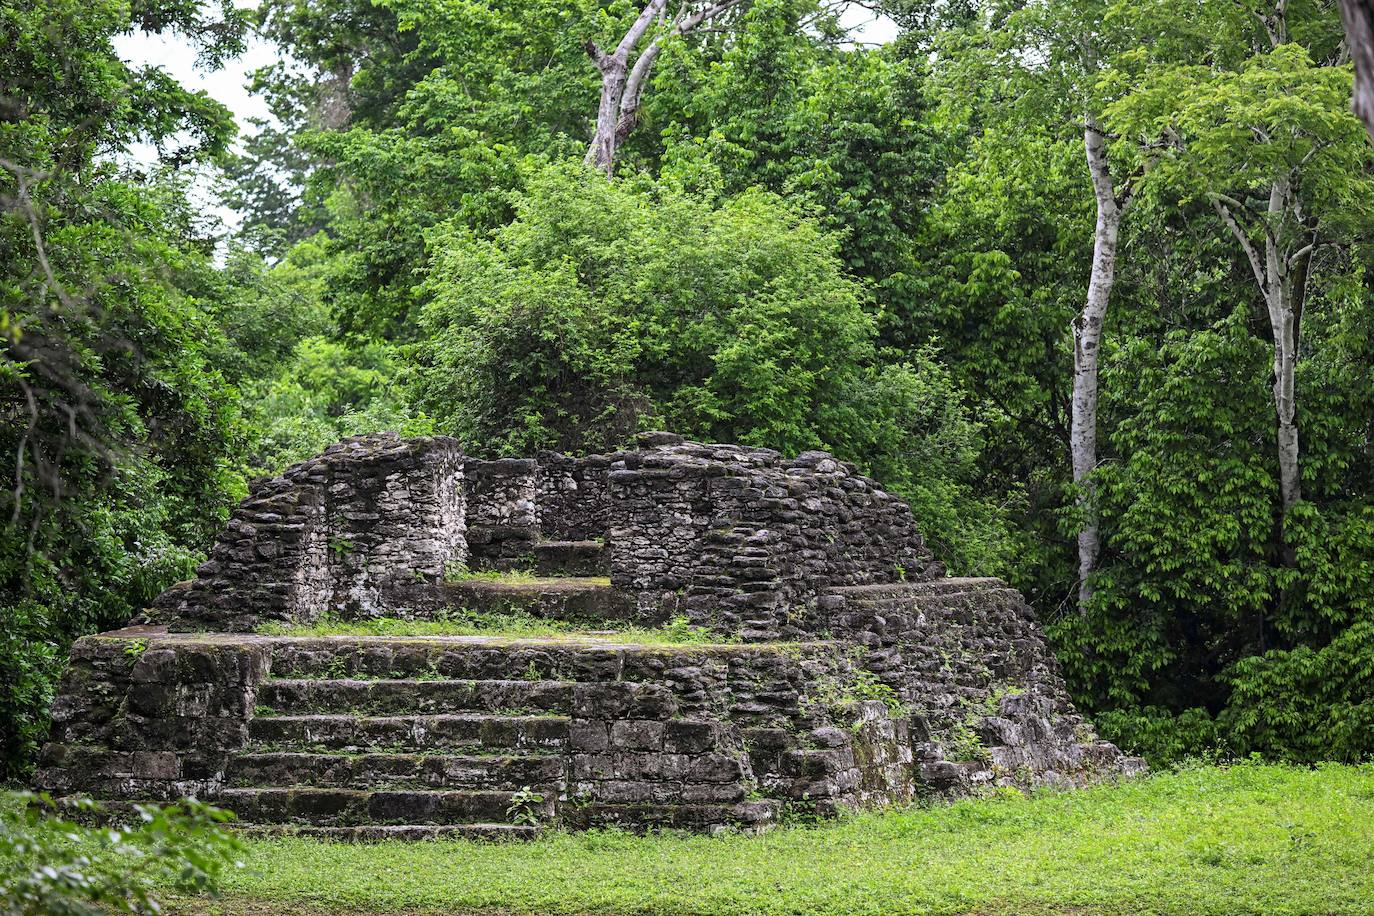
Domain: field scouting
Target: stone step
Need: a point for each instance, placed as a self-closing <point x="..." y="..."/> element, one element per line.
<point x="757" y="814"/>
<point x="922" y="589"/>
<point x="362" y="771"/>
<point x="572" y="558"/>
<point x="342" y="732"/>
<point x="577" y="598"/>
<point x="293" y="696"/>
<point x="481" y="658"/>
<point x="377" y="833"/>
<point x="356" y="808"/>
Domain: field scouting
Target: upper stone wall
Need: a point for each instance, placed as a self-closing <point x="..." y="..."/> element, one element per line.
<point x="741" y="540"/>
<point x="744" y="540"/>
<point x="366" y="525"/>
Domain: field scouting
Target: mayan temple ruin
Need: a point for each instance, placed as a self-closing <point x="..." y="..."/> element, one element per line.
<point x="843" y="668"/>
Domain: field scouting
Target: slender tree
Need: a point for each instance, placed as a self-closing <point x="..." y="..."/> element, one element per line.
<point x="1112" y="202"/>
<point x="1265" y="140"/>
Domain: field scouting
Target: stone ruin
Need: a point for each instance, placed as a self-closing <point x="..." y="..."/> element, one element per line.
<point x="849" y="670"/>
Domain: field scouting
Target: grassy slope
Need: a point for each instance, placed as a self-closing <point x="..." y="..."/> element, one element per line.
<point x="1245" y="839"/>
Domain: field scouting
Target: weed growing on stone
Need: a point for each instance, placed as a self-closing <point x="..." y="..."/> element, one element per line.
<point x="509" y="625"/>
<point x="523" y="809"/>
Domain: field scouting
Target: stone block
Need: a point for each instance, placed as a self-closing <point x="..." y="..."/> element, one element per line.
<point x="637" y="734"/>
<point x="690" y="737"/>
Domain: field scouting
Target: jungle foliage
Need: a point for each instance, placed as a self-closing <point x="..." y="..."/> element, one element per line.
<point x="805" y="243"/>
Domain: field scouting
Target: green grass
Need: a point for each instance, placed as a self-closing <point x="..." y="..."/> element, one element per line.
<point x="512" y="624"/>
<point x="513" y="576"/>
<point x="518" y="577"/>
<point x="1252" y="838"/>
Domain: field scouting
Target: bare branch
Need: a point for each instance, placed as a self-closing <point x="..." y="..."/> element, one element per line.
<point x="641" y="25"/>
<point x="685" y="26"/>
<point x="1222" y="204"/>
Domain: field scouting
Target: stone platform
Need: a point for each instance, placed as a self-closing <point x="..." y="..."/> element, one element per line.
<point x="472" y="736"/>
<point x="849" y="672"/>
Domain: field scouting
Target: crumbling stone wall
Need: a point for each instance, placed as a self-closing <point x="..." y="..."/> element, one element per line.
<point x="138" y="720"/>
<point x="739" y="539"/>
<point x="573" y="496"/>
<point x="744" y="540"/>
<point x="366" y="525"/>
<point x="985" y="697"/>
<point x="502" y="512"/>
<point x="515" y="503"/>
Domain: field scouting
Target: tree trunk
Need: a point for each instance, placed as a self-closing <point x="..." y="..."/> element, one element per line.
<point x="601" y="151"/>
<point x="1087" y="340"/>
<point x="622" y="85"/>
<point x="1358" y="16"/>
<point x="1274" y="273"/>
<point x="1281" y="319"/>
<point x="615" y="72"/>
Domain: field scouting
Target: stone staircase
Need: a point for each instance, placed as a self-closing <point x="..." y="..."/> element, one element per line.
<point x="341" y="748"/>
<point x="345" y="745"/>
<point x="366" y="738"/>
<point x="587" y="600"/>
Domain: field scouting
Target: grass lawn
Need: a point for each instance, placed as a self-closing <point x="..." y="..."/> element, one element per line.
<point x="1243" y="839"/>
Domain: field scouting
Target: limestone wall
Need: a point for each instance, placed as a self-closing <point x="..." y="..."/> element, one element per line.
<point x="502" y="511"/>
<point x="573" y="496"/>
<point x="744" y="540"/>
<point x="139" y="720"/>
<point x="741" y="540"/>
<point x="362" y="527"/>
<point x="984" y="694"/>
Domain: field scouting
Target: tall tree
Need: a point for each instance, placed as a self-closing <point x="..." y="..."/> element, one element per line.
<point x="1053" y="55"/>
<point x="1111" y="200"/>
<point x="1266" y="139"/>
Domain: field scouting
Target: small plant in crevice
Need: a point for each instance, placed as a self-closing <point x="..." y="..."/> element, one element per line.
<point x="961" y="743"/>
<point x="868" y="687"/>
<point x="340" y="547"/>
<point x="680" y="629"/>
<point x="523" y="809"/>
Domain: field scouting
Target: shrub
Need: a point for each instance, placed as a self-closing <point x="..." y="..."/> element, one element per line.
<point x="51" y="862"/>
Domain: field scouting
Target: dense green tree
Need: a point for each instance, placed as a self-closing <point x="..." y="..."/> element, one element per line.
<point x="606" y="307"/>
<point x="118" y="423"/>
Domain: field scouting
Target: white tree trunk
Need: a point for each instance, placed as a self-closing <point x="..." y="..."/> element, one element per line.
<point x="1358" y="16"/>
<point x="601" y="151"/>
<point x="622" y="85"/>
<point x="615" y="71"/>
<point x="1272" y="274"/>
<point x="1087" y="342"/>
